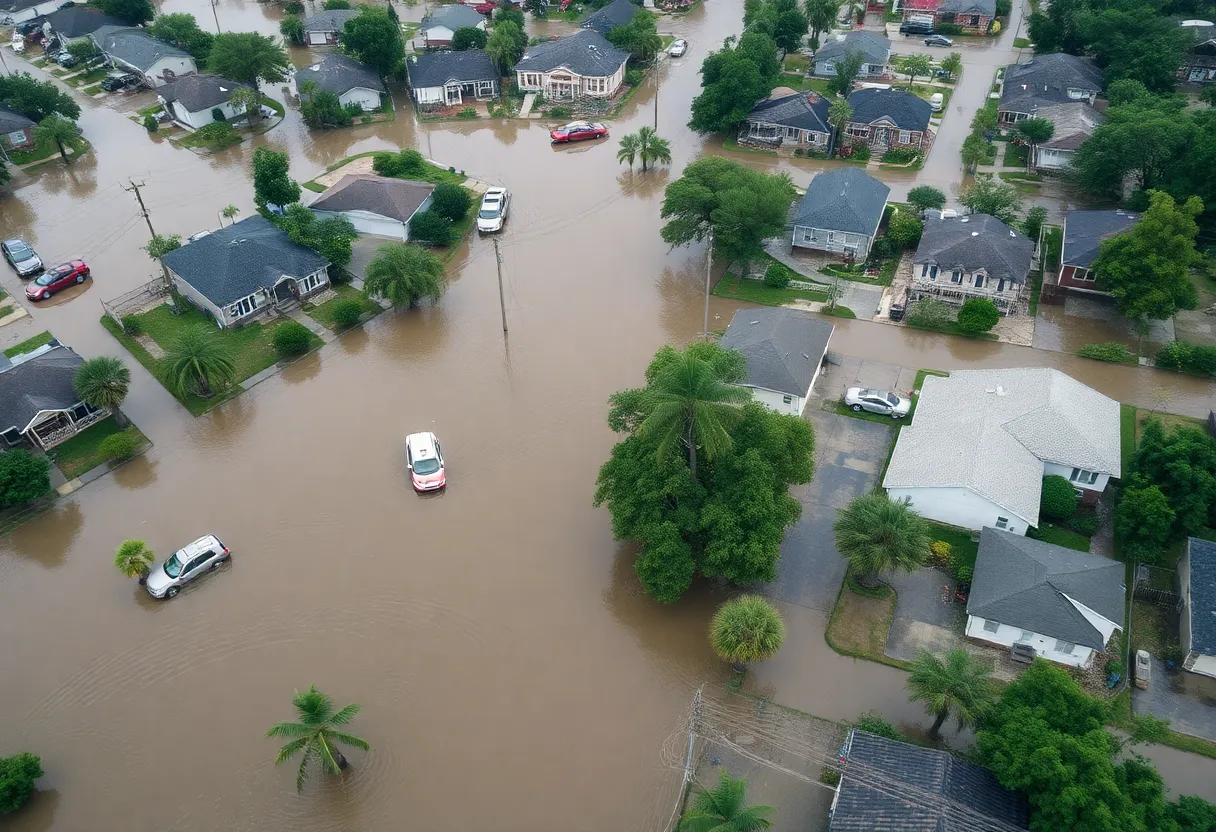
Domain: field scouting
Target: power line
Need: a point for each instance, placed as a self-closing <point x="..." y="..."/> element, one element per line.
<point x="143" y="209"/>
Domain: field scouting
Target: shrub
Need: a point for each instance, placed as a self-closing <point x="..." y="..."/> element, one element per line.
<point x="431" y="228"/>
<point x="1059" y="498"/>
<point x="1185" y="357"/>
<point x="451" y="201"/>
<point x="412" y="162"/>
<point x="405" y="163"/>
<point x="776" y="276"/>
<point x="132" y="325"/>
<point x="862" y="152"/>
<point x="150" y="123"/>
<point x="353" y="109"/>
<point x="900" y="155"/>
<point x="930" y="313"/>
<point x="23" y="478"/>
<point x="293" y="7"/>
<point x="561" y="111"/>
<point x="872" y="722"/>
<point x="964" y="573"/>
<point x="904" y="230"/>
<point x="346" y="312"/>
<point x="467" y="112"/>
<point x="940" y="553"/>
<point x="386" y="164"/>
<point x="978" y="315"/>
<point x="218" y="133"/>
<point x="634" y="77"/>
<point x="217" y="114"/>
<point x="291" y="338"/>
<point x="117" y="446"/>
<point x="1113" y="351"/>
<point x="17" y="776"/>
<point x="883" y="247"/>
<point x="949" y="29"/>
<point x="1083" y="522"/>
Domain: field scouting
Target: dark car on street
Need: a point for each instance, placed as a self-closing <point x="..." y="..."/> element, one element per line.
<point x="21" y="257"/>
<point x="938" y="40"/>
<point x="915" y="27"/>
<point x="60" y="277"/>
<point x="577" y="131"/>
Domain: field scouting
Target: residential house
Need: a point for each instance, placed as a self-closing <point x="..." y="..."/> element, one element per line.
<point x="785" y="350"/>
<point x="874" y="48"/>
<point x="974" y="17"/>
<point x="446" y="79"/>
<point x="324" y="28"/>
<point x="346" y="78"/>
<point x="439" y="26"/>
<point x="38" y="401"/>
<point x="237" y="273"/>
<point x="1084" y="232"/>
<point x="1199" y="63"/>
<point x="976" y="256"/>
<point x="616" y="13"/>
<point x="193" y="99"/>
<point x="1074" y="122"/>
<point x="78" y="22"/>
<point x="894" y="786"/>
<point x="790" y="120"/>
<point x="18" y="11"/>
<point x="375" y="204"/>
<point x="1044" y="80"/>
<point x="1062" y="603"/>
<point x="886" y="119"/>
<point x="1197" y="619"/>
<point x="581" y="65"/>
<point x="134" y="50"/>
<point x="981" y="442"/>
<point x="16" y="131"/>
<point x="840" y="212"/>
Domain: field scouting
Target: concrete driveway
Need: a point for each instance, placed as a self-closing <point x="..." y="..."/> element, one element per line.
<point x="1186" y="699"/>
<point x="362" y="252"/>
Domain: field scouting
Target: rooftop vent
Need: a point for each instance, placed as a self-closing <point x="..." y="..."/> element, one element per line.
<point x="1001" y="391"/>
<point x="975" y="233"/>
<point x="965" y="219"/>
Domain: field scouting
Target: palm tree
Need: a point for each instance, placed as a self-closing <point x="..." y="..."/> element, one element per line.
<point x="198" y="360"/>
<point x="746" y="629"/>
<point x="404" y="274"/>
<point x="629" y="149"/>
<point x="960" y="685"/>
<point x="315" y="734"/>
<point x="688" y="403"/>
<point x="723" y="809"/>
<point x="877" y="534"/>
<point x="230" y="212"/>
<point x="103" y="382"/>
<point x="60" y="130"/>
<point x="134" y="559"/>
<point x="646" y="145"/>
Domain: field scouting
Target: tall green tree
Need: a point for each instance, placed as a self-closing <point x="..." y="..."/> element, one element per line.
<point x="1032" y="225"/>
<point x="840" y="113"/>
<point x="916" y="66"/>
<point x="197" y="363"/>
<point x="247" y="100"/>
<point x="35" y="99"/>
<point x="848" y="67"/>
<point x="790" y="25"/>
<point x="404" y="274"/>
<point x="134" y="559"/>
<point x="318" y="734"/>
<point x="330" y="237"/>
<point x="272" y="182"/>
<point x="135" y="12"/>
<point x="291" y="27"/>
<point x="733" y="79"/>
<point x="639" y="37"/>
<point x="183" y="31"/>
<point x="924" y="197"/>
<point x="645" y="145"/>
<point x="18" y="775"/>
<point x="1137" y="43"/>
<point x="469" y="37"/>
<point x="23" y="478"/>
<point x="103" y="382"/>
<point x="992" y="196"/>
<point x="1035" y="131"/>
<point x="1142" y="140"/>
<point x="1182" y="464"/>
<point x="58" y="130"/>
<point x="952" y="63"/>
<point x="375" y="39"/>
<point x="506" y="44"/>
<point x="248" y="57"/>
<point x="821" y="15"/>
<point x="746" y="629"/>
<point x="958" y="685"/>
<point x="877" y="534"/>
<point x="1143" y="522"/>
<point x="724" y="809"/>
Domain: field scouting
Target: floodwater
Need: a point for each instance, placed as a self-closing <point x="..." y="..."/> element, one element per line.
<point x="511" y="672"/>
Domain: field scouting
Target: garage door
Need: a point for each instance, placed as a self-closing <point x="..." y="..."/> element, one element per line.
<point x="316" y="38"/>
<point x="379" y="226"/>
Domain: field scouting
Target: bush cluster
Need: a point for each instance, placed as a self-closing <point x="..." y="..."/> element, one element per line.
<point x="1059" y="498"/>
<point x="431" y="228"/>
<point x="291" y="338"/>
<point x="900" y="155"/>
<point x="1113" y="351"/>
<point x="116" y="446"/>
<point x="930" y="313"/>
<point x="633" y="77"/>
<point x="777" y="276"/>
<point x="1185" y="357"/>
<point x="861" y="152"/>
<point x="132" y="325"/>
<point x="978" y="315"/>
<point x="346" y="312"/>
<point x="405" y="163"/>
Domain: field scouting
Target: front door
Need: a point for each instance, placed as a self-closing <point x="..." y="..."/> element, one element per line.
<point x="1197" y="74"/>
<point x="881" y="136"/>
<point x="452" y="92"/>
<point x="284" y="290"/>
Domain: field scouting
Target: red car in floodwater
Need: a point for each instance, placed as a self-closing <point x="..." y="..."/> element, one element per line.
<point x="577" y="131"/>
<point x="60" y="277"/>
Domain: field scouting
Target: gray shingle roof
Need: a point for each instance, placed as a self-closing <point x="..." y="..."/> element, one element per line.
<point x="1046" y="79"/>
<point x="995" y="443"/>
<point x="11" y="122"/>
<point x="922" y="790"/>
<point x="783" y="347"/>
<point x="584" y="53"/>
<point x="333" y="20"/>
<point x="844" y="199"/>
<point x="395" y="198"/>
<point x="234" y="262"/>
<point x="978" y="241"/>
<point x="200" y="92"/>
<point x="40" y="383"/>
<point x="1024" y="583"/>
<point x="1075" y="122"/>
<point x="339" y="74"/>
<point x="872" y="45"/>
<point x="135" y="46"/>
<point x="905" y="110"/>
<point x="78" y="21"/>
<point x="434" y="69"/>
<point x="453" y="16"/>
<point x="616" y="13"/>
<point x="980" y="7"/>
<point x="808" y="110"/>
<point x="1084" y="232"/>
<point x="1202" y="556"/>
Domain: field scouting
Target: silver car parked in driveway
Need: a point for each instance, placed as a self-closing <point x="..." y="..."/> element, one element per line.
<point x="877" y="401"/>
<point x="203" y="555"/>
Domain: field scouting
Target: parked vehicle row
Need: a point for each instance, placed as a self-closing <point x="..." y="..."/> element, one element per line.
<point x="26" y="262"/>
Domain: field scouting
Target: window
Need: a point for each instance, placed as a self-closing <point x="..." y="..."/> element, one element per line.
<point x="1076" y="95"/>
<point x="809" y="235"/>
<point x="991" y="626"/>
<point x="905" y="137"/>
<point x="17" y="137"/>
<point x="975" y="20"/>
<point x="791" y="133"/>
<point x="1082" y="274"/>
<point x="12" y="436"/>
<point x="1026" y="635"/>
<point x="831" y="236"/>
<point x="787" y="399"/>
<point x="979" y="281"/>
<point x="1002" y="522"/>
<point x="933" y="272"/>
<point x="1083" y="477"/>
<point x="1000" y="285"/>
<point x="829" y="67"/>
<point x="1064" y="647"/>
<point x="956" y="276"/>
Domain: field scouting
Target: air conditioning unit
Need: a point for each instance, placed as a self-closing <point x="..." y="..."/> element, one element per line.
<point x="1021" y="652"/>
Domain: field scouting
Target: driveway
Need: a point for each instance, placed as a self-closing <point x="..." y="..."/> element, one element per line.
<point x="923" y="621"/>
<point x="1187" y="700"/>
<point x="362" y="252"/>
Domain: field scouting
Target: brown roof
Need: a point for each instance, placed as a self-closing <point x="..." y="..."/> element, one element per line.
<point x="395" y="198"/>
<point x="1074" y="122"/>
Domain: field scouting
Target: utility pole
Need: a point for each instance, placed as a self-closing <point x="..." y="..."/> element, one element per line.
<point x="143" y="209"/>
<point x="656" y="107"/>
<point x="501" y="302"/>
<point x="709" y="265"/>
<point x="216" y="15"/>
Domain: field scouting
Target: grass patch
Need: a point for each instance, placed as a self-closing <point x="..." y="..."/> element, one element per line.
<point x="860" y="624"/>
<point x="314" y="187"/>
<point x="48" y="150"/>
<point x="574" y="16"/>
<point x="962" y="548"/>
<point x="324" y="314"/>
<point x="843" y="409"/>
<point x="150" y="110"/>
<point x="1021" y="43"/>
<point x="1060" y="536"/>
<point x="665" y="41"/>
<point x="1015" y="155"/>
<point x="926" y="91"/>
<point x="29" y="344"/>
<point x="755" y="291"/>
<point x="1169" y="421"/>
<point x="93" y="76"/>
<point x="1036" y="288"/>
<point x="1127" y="436"/>
<point x="80" y="453"/>
<point x="431" y="173"/>
<point x="804" y="82"/>
<point x="204" y="139"/>
<point x="91" y="90"/>
<point x="796" y="62"/>
<point x="410" y="30"/>
<point x="838" y="311"/>
<point x="1053" y="245"/>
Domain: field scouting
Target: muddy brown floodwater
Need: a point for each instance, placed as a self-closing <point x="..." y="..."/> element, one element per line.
<point x="513" y="675"/>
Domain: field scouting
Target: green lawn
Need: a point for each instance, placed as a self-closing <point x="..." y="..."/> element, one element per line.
<point x="1051" y="533"/>
<point x="838" y="311"/>
<point x="755" y="291"/>
<point x="29" y="344"/>
<point x="1053" y="243"/>
<point x="926" y="92"/>
<point x="324" y="314"/>
<point x="803" y="82"/>
<point x="93" y="76"/>
<point x="47" y="150"/>
<point x="796" y="62"/>
<point x="272" y="104"/>
<point x="150" y="110"/>
<point x="1015" y="155"/>
<point x="313" y="186"/>
<point x="1021" y="43"/>
<point x="1036" y="287"/>
<point x="80" y="454"/>
<point x="432" y="173"/>
<point x="199" y="138"/>
<point x="91" y="90"/>
<point x="963" y="548"/>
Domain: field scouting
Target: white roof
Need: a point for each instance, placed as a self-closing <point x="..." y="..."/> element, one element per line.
<point x="991" y="431"/>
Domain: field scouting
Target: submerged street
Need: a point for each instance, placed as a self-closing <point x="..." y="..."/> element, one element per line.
<point x="512" y="674"/>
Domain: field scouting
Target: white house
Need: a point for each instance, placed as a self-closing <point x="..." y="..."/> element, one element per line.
<point x="1197" y="621"/>
<point x="840" y="212"/>
<point x="346" y="78"/>
<point x="581" y="65"/>
<point x="17" y="11"/>
<point x="981" y="442"/>
<point x="1074" y="122"/>
<point x="38" y="402"/>
<point x="191" y="100"/>
<point x="325" y="27"/>
<point x="439" y="26"/>
<point x="784" y="349"/>
<point x="375" y="204"/>
<point x="134" y="50"/>
<point x="446" y="79"/>
<point x="1063" y="603"/>
<point x="873" y="47"/>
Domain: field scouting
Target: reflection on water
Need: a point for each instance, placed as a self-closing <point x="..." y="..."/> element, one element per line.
<point x="138" y="473"/>
<point x="305" y="369"/>
<point x="47" y="538"/>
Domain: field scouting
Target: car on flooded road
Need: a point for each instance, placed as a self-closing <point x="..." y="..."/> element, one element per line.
<point x="882" y="402"/>
<point x="206" y="554"/>
<point x="424" y="458"/>
<point x="578" y="131"/>
<point x="938" y="40"/>
<point x="53" y="280"/>
<point x="677" y="49"/>
<point x="494" y="206"/>
<point x="24" y="260"/>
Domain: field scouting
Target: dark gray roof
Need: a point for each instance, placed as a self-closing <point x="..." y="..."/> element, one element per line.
<point x="872" y="45"/>
<point x="232" y="263"/>
<point x="783" y="347"/>
<point x="339" y="74"/>
<point x="1023" y="583"/>
<point x="893" y="786"/>
<point x="616" y="13"/>
<point x="453" y="16"/>
<point x="395" y="198"/>
<point x="434" y="69"/>
<point x="78" y="21"/>
<point x="907" y="111"/>
<point x="1084" y="232"/>
<point x="11" y="122"/>
<point x="17" y="5"/>
<point x="808" y="110"/>
<point x="974" y="242"/>
<point x="1202" y="555"/>
<point x="584" y="53"/>
<point x="980" y="7"/>
<point x="43" y="382"/>
<point x="331" y="21"/>
<point x="1046" y="79"/>
<point x="135" y="46"/>
<point x="200" y="92"/>
<point x="844" y="199"/>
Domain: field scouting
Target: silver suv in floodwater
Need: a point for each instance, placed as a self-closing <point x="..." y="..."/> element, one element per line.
<point x="203" y="555"/>
<point x="877" y="401"/>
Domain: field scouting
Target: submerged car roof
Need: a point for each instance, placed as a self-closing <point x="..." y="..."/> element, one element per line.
<point x="207" y="541"/>
<point x="422" y="443"/>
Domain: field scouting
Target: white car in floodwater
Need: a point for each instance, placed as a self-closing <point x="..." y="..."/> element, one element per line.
<point x="204" y="555"/>
<point x="494" y="206"/>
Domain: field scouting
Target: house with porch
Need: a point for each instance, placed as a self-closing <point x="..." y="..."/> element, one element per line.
<point x="193" y="99"/>
<point x="874" y="48"/>
<point x="1074" y="122"/>
<point x="616" y="13"/>
<point x="581" y="65"/>
<point x="325" y="27"/>
<point x="1197" y="618"/>
<point x="1045" y="80"/>
<point x="840" y="212"/>
<point x="790" y="120"/>
<point x="134" y="50"/>
<point x="38" y="401"/>
<point x="886" y="119"/>
<point x="447" y="79"/>
<point x="351" y="81"/>
<point x="16" y="131"/>
<point x="974" y="17"/>
<point x="785" y="350"/>
<point x="976" y="256"/>
<point x="439" y="26"/>
<point x="245" y="270"/>
<point x="1084" y="232"/>
<point x="1199" y="62"/>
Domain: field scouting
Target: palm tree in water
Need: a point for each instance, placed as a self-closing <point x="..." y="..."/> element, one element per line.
<point x="316" y="735"/>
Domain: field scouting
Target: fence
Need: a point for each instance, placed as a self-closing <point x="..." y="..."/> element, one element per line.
<point x="137" y="300"/>
<point x="1155" y="585"/>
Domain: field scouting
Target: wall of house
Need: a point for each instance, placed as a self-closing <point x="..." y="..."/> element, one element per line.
<point x="437" y="36"/>
<point x="19" y="138"/>
<point x="975" y="24"/>
<point x="828" y="69"/>
<point x="922" y="281"/>
<point x="203" y="118"/>
<point x="1051" y="158"/>
<point x="1045" y="646"/>
<point x="959" y="507"/>
<point x="1065" y="471"/>
<point x="838" y="243"/>
<point x="365" y="98"/>
<point x="196" y="297"/>
<point x="777" y="401"/>
<point x="365" y="222"/>
<point x="429" y="95"/>
<point x="169" y="69"/>
<point x="883" y="135"/>
<point x="1075" y="277"/>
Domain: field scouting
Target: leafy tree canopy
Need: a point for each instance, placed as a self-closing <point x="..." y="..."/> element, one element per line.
<point x="36" y="99"/>
<point x="248" y="57"/>
<point x="183" y="31"/>
<point x="374" y="38"/>
<point x="135" y="12"/>
<point x="470" y="37"/>
<point x="331" y="237"/>
<point x="733" y="79"/>
<point x="272" y="184"/>
<point x="996" y="197"/>
<point x="1182" y="464"/>
<point x="23" y="477"/>
<point x="1146" y="138"/>
<point x="639" y="37"/>
<point x="18" y="775"/>
<point x="925" y="197"/>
